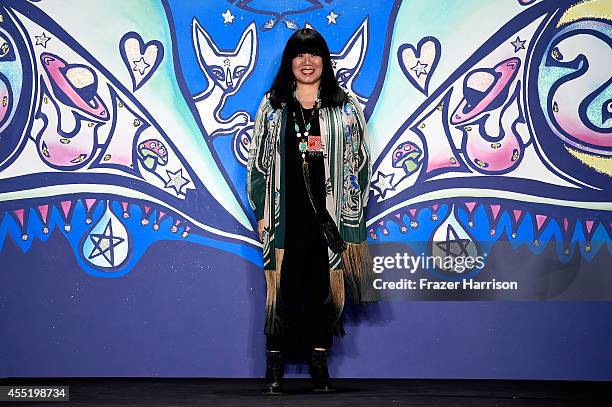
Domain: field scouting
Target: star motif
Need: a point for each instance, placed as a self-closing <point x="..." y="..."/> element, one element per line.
<point x="228" y="17"/>
<point x="104" y="244"/>
<point x="176" y="181"/>
<point x="383" y="183"/>
<point x="42" y="40"/>
<point x="140" y="66"/>
<point x="331" y="17"/>
<point x="419" y="69"/>
<point x="453" y="242"/>
<point x="518" y="44"/>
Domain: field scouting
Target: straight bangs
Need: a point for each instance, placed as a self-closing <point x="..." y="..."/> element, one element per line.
<point x="306" y="41"/>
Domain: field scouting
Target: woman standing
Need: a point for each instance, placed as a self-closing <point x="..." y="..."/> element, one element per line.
<point x="308" y="180"/>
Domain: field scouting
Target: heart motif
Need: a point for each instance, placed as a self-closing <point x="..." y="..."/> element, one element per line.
<point x="419" y="64"/>
<point x="141" y="59"/>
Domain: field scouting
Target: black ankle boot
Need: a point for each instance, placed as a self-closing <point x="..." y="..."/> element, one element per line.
<point x="274" y="373"/>
<point x="319" y="373"/>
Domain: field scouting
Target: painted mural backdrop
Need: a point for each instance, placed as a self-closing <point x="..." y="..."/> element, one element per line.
<point x="490" y="129"/>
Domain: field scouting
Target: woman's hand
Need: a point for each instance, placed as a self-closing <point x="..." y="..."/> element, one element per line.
<point x="260" y="229"/>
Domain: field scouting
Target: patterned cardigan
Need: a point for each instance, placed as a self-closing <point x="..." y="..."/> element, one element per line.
<point x="348" y="170"/>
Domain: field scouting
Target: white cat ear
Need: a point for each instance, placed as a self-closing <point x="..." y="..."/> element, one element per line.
<point x="353" y="53"/>
<point x="248" y="40"/>
<point x="202" y="40"/>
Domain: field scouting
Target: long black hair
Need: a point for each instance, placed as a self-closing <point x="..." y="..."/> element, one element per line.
<point x="305" y="41"/>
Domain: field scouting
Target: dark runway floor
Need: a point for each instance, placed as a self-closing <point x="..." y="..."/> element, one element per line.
<point x="351" y="392"/>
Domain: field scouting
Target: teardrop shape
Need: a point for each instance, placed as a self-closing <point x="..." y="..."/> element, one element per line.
<point x="106" y="245"/>
<point x="451" y="245"/>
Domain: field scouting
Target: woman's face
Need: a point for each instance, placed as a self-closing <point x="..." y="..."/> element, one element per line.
<point x="307" y="68"/>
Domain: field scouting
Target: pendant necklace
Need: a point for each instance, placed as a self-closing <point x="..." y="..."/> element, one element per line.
<point x="307" y="142"/>
<point x="303" y="136"/>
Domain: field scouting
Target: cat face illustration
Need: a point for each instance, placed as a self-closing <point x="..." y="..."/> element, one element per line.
<point x="226" y="68"/>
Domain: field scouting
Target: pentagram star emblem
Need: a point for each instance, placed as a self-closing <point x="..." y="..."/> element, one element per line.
<point x="454" y="246"/>
<point x="105" y="243"/>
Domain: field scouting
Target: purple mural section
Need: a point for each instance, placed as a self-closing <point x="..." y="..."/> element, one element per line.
<point x="167" y="319"/>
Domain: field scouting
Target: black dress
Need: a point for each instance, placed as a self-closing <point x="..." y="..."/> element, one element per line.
<point x="305" y="307"/>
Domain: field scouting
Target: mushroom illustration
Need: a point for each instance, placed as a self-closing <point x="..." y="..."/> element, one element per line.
<point x="407" y="155"/>
<point x="153" y="153"/>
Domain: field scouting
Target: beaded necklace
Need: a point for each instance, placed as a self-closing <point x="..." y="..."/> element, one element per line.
<point x="308" y="143"/>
